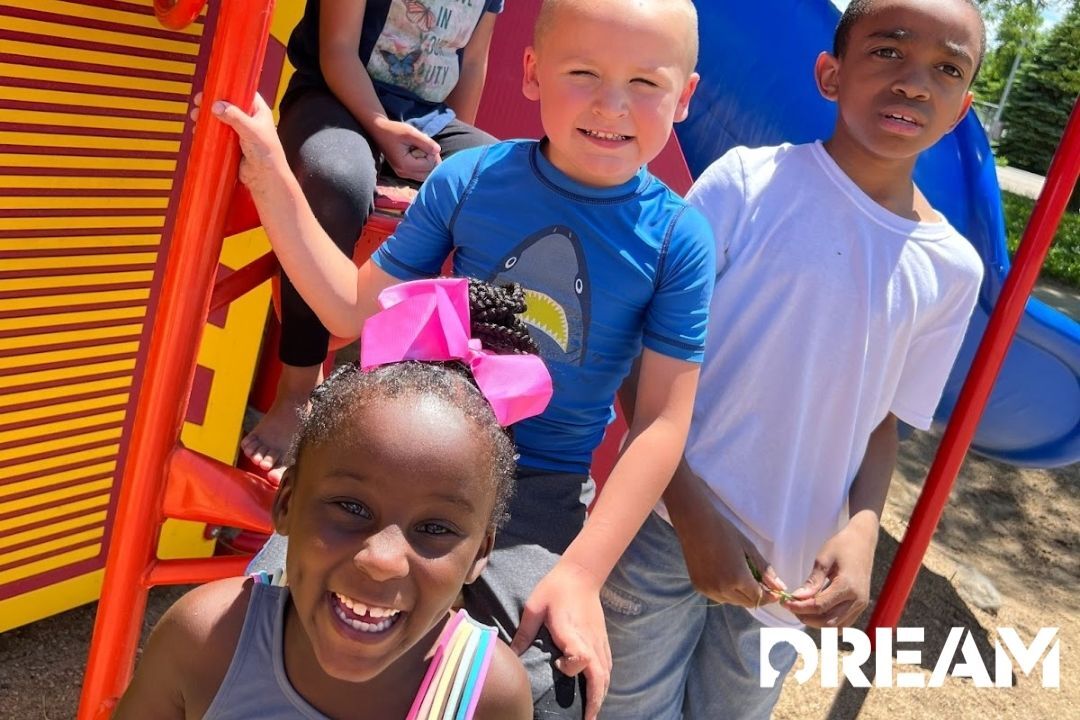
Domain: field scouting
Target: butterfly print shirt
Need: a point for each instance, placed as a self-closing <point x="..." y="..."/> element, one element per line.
<point x="411" y="48"/>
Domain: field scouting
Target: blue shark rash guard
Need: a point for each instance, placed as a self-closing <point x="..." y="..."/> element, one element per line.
<point x="605" y="270"/>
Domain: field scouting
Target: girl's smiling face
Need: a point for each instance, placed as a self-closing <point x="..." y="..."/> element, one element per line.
<point x="386" y="521"/>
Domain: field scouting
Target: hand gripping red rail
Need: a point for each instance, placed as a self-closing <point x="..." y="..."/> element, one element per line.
<point x="160" y="479"/>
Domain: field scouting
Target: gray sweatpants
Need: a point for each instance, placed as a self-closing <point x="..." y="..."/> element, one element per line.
<point x="546" y="514"/>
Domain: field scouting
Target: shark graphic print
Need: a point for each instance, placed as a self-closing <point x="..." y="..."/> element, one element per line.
<point x="558" y="318"/>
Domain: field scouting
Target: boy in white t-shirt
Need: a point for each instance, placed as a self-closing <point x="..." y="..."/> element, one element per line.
<point x="841" y="301"/>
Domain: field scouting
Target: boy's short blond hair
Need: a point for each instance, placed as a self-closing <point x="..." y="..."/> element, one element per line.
<point x="549" y="9"/>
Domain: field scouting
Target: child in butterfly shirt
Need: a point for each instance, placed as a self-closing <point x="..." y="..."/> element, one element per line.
<point x="400" y="79"/>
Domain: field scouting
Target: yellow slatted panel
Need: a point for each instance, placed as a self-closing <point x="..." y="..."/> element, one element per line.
<point x="104" y="122"/>
<point x="14" y="399"/>
<point x="63" y="509"/>
<point x="82" y="407"/>
<point x="154" y="88"/>
<point x="60" y="526"/>
<point x="60" y="477"/>
<point x="51" y="545"/>
<point x="71" y="374"/>
<point x="90" y="12"/>
<point x="60" y="498"/>
<point x="59" y="560"/>
<point x="93" y="109"/>
<point x="13" y="305"/>
<point x="76" y="244"/>
<point x="35" y="447"/>
<point x="32" y="138"/>
<point x="71" y="429"/>
<point x="48" y="321"/>
<point x="60" y="182"/>
<point x="116" y="61"/>
<point x="26" y="340"/>
<point x="79" y="203"/>
<point x="100" y="452"/>
<point x="94" y="102"/>
<point x="72" y="281"/>
<point x="59" y="223"/>
<point x="88" y="163"/>
<point x="88" y="262"/>
<point x="35" y="360"/>
<point x="112" y="37"/>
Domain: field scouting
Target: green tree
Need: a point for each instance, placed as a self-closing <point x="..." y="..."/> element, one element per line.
<point x="1015" y="26"/>
<point x="1040" y="102"/>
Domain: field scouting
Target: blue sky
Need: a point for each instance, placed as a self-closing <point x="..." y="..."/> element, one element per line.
<point x="1053" y="15"/>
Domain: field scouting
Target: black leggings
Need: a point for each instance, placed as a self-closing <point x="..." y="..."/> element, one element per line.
<point x="334" y="161"/>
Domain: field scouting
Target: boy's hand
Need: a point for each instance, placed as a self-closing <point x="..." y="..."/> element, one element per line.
<point x="263" y="157"/>
<point x="718" y="559"/>
<point x="717" y="555"/>
<point x="567" y="601"/>
<point x="838" y="588"/>
<point x="411" y="153"/>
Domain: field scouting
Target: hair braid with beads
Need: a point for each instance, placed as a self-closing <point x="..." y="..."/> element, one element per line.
<point x="494" y="317"/>
<point x="495" y="314"/>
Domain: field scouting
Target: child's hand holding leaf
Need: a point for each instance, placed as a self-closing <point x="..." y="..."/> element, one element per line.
<point x="718" y="557"/>
<point x="773" y="587"/>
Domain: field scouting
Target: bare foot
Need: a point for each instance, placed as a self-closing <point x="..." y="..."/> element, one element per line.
<point x="268" y="442"/>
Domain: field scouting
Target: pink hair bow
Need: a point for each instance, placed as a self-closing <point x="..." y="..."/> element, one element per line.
<point x="429" y="320"/>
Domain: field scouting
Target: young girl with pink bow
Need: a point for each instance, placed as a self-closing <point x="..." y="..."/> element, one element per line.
<point x="364" y="626"/>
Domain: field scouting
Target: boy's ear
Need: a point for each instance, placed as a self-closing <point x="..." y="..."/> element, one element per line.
<point x="481" y="560"/>
<point x="530" y="84"/>
<point x="279" y="511"/>
<point x="682" y="108"/>
<point x="964" y="107"/>
<point x="827" y="75"/>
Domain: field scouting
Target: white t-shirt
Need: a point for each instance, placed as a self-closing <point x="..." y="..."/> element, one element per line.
<point x="829" y="312"/>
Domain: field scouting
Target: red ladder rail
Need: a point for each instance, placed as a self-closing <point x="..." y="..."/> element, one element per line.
<point x="236" y="57"/>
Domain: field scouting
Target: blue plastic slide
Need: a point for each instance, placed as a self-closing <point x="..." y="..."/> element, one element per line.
<point x="758" y="89"/>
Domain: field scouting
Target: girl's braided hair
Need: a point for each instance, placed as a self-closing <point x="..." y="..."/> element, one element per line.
<point x="495" y="311"/>
<point x="494" y="314"/>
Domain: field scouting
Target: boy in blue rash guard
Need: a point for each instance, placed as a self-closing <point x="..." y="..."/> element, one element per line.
<point x="617" y="269"/>
<point x="615" y="265"/>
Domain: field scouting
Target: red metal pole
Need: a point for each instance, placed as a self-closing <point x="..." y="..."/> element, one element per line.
<point x="244" y="280"/>
<point x="196" y="571"/>
<point x="236" y="58"/>
<point x="1060" y="181"/>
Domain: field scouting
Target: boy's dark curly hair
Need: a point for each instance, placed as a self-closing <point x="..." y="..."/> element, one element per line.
<point x="858" y="9"/>
<point x="494" y="312"/>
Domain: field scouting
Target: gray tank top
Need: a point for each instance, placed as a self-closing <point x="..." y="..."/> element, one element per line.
<point x="256" y="685"/>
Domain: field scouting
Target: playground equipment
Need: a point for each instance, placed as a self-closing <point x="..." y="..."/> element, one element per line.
<point x="112" y="214"/>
